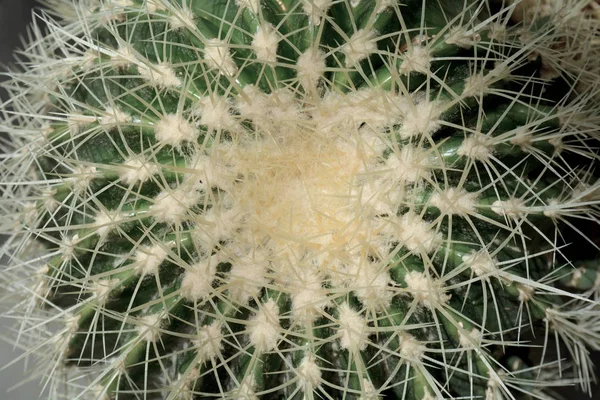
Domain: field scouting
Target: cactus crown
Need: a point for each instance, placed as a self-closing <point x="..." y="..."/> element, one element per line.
<point x="304" y="199"/>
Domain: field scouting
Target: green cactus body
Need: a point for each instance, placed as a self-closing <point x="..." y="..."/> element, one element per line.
<point x="306" y="199"/>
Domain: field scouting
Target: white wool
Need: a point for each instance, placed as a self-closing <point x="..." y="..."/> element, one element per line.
<point x="149" y="327"/>
<point x="316" y="9"/>
<point x="106" y="221"/>
<point x="414" y="233"/>
<point x="454" y="201"/>
<point x="217" y="55"/>
<point x="114" y="117"/>
<point x="276" y="113"/>
<point x="462" y="37"/>
<point x="477" y="147"/>
<point x="29" y="213"/>
<point x="410" y="164"/>
<point x="371" y="286"/>
<point x="410" y="348"/>
<point x="264" y="328"/>
<point x="265" y="42"/>
<point x="513" y="207"/>
<point x="137" y="170"/>
<point x="309" y="298"/>
<point x="67" y="247"/>
<point x="149" y="258"/>
<point x="553" y="208"/>
<point x="246" y="278"/>
<point x="82" y="176"/>
<point x="209" y="342"/>
<point x="426" y="290"/>
<point x="558" y="144"/>
<point x="523" y="137"/>
<point x="421" y="119"/>
<point x="162" y="75"/>
<point x="173" y="130"/>
<point x="102" y="288"/>
<point x="182" y="18"/>
<point x="310" y="67"/>
<point x="382" y="5"/>
<point x="77" y="121"/>
<point x="352" y="330"/>
<point x="123" y="57"/>
<point x="253" y="5"/>
<point x="416" y="59"/>
<point x="359" y="46"/>
<point x="172" y="205"/>
<point x="525" y="292"/>
<point x="481" y="263"/>
<point x="197" y="280"/>
<point x="369" y="392"/>
<point x="215" y="113"/>
<point x="214" y="226"/>
<point x="246" y="389"/>
<point x="309" y="373"/>
<point x="154" y="5"/>
<point x="375" y="107"/>
<point x="470" y="339"/>
<point x="476" y="85"/>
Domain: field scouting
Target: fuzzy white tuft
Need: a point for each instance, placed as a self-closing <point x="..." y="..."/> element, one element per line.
<point x="82" y="177"/>
<point x="215" y="113"/>
<point x="416" y="59"/>
<point x="477" y="147"/>
<point x="470" y="339"/>
<point x="359" y="46"/>
<point x="414" y="233"/>
<point x="481" y="263"/>
<point x="310" y="67"/>
<point x="316" y="9"/>
<point x="197" y="280"/>
<point x="353" y="329"/>
<point x="409" y="165"/>
<point x="265" y="42"/>
<point x="217" y="55"/>
<point x="173" y="130"/>
<point x="426" y="290"/>
<point x="105" y="222"/>
<point x="173" y="205"/>
<point x="149" y="327"/>
<point x="247" y="277"/>
<point x="252" y="5"/>
<point x="154" y="5"/>
<point x="369" y="392"/>
<point x="162" y="75"/>
<point x="454" y="201"/>
<point x="149" y="258"/>
<point x="410" y="348"/>
<point x="182" y="18"/>
<point x="264" y="328"/>
<point x="114" y="117"/>
<point x="421" y="119"/>
<point x="209" y="342"/>
<point x="136" y="170"/>
<point x="513" y="207"/>
<point x="309" y="373"/>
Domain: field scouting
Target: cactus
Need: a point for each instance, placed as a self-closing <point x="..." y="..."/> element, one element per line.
<point x="313" y="199"/>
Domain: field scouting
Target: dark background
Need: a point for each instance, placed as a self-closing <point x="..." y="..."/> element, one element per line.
<point x="14" y="17"/>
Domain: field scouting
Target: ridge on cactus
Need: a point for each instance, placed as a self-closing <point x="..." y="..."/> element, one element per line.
<point x="304" y="199"/>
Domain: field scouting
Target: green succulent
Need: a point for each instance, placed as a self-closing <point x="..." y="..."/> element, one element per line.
<point x="312" y="199"/>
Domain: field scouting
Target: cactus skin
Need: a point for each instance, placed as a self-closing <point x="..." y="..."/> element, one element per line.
<point x="304" y="199"/>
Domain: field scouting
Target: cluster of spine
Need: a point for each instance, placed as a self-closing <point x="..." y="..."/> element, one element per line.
<point x="309" y="199"/>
